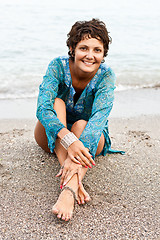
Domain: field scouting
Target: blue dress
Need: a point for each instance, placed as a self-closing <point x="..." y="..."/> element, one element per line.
<point x="94" y="104"/>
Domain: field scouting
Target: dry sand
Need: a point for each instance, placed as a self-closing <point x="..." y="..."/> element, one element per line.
<point x="124" y="188"/>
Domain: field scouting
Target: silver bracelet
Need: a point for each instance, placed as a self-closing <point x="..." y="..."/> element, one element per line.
<point x="68" y="139"/>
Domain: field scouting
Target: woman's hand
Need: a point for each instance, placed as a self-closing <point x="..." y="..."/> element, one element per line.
<point x="79" y="154"/>
<point x="67" y="171"/>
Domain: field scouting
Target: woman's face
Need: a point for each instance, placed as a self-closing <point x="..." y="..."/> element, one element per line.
<point x="89" y="53"/>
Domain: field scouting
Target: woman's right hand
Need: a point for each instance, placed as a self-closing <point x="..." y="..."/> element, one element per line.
<point x="80" y="154"/>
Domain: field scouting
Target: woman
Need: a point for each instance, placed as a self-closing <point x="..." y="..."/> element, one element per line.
<point x="75" y="100"/>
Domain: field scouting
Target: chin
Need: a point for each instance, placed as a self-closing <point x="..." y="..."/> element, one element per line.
<point x="91" y="68"/>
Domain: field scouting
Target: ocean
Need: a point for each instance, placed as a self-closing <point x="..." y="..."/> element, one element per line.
<point x="33" y="32"/>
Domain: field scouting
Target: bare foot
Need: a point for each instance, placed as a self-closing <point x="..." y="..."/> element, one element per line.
<point x="83" y="196"/>
<point x="64" y="206"/>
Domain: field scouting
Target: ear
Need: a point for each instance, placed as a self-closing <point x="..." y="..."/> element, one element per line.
<point x="71" y="50"/>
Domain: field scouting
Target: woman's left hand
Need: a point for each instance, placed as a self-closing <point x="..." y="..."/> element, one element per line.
<point x="67" y="171"/>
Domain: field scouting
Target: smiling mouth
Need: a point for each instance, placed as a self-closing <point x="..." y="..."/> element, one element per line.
<point x="88" y="63"/>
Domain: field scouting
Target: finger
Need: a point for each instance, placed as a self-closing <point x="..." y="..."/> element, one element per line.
<point x="78" y="158"/>
<point x="85" y="160"/>
<point x="80" y="161"/>
<point x="68" y="177"/>
<point x="65" y="178"/>
<point x="88" y="156"/>
<point x="79" y="175"/>
<point x="59" y="173"/>
<point x="62" y="178"/>
<point x="74" y="159"/>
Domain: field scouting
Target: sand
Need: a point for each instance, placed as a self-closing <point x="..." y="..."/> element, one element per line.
<point x="124" y="188"/>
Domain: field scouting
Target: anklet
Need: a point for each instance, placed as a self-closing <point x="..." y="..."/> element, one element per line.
<point x="71" y="190"/>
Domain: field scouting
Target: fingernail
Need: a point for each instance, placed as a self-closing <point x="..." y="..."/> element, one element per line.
<point x="61" y="187"/>
<point x="89" y="166"/>
<point x="85" y="166"/>
<point x="93" y="164"/>
<point x="64" y="183"/>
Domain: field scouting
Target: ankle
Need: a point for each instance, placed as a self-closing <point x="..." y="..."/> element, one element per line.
<point x="72" y="185"/>
<point x="71" y="191"/>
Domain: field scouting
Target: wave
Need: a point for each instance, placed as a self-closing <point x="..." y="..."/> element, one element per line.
<point x="32" y="95"/>
<point x="121" y="87"/>
<point x="10" y="96"/>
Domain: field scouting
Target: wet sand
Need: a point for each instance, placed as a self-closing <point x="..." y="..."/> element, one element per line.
<point x="124" y="188"/>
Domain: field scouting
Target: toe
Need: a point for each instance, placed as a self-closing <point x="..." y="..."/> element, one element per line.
<point x="63" y="218"/>
<point x="78" y="200"/>
<point x="59" y="215"/>
<point x="55" y="210"/>
<point x="87" y="198"/>
<point x="69" y="216"/>
<point x="82" y="199"/>
<point x="66" y="217"/>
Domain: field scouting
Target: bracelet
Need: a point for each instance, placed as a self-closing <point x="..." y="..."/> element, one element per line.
<point x="68" y="139"/>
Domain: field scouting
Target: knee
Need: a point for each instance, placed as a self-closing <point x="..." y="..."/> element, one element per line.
<point x="40" y="137"/>
<point x="79" y="126"/>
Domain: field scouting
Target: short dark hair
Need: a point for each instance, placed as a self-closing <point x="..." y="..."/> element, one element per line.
<point x="90" y="29"/>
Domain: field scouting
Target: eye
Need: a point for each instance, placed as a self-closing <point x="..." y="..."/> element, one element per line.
<point x="83" y="48"/>
<point x="98" y="50"/>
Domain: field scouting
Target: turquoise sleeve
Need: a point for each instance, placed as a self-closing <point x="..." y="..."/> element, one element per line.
<point x="47" y="94"/>
<point x="102" y="105"/>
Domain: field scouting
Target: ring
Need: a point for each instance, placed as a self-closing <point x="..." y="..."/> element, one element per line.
<point x="62" y="167"/>
<point x="77" y="157"/>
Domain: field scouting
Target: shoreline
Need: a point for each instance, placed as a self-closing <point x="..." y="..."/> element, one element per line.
<point x="128" y="103"/>
<point x="123" y="188"/>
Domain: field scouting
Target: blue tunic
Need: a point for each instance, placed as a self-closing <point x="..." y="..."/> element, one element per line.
<point x="94" y="104"/>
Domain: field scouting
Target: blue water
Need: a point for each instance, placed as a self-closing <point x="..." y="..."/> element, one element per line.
<point x="34" y="32"/>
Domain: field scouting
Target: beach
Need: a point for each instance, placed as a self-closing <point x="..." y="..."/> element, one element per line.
<point x="124" y="189"/>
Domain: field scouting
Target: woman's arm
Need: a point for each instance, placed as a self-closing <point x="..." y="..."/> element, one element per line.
<point x="47" y="94"/>
<point x="48" y="117"/>
<point x="102" y="105"/>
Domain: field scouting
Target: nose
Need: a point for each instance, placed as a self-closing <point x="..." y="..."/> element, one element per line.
<point x="89" y="55"/>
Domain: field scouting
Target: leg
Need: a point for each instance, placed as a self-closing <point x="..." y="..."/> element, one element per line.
<point x="40" y="137"/>
<point x="40" y="134"/>
<point x="77" y="129"/>
<point x="65" y="203"/>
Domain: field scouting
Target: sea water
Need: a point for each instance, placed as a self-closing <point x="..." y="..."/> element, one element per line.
<point x="33" y="32"/>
